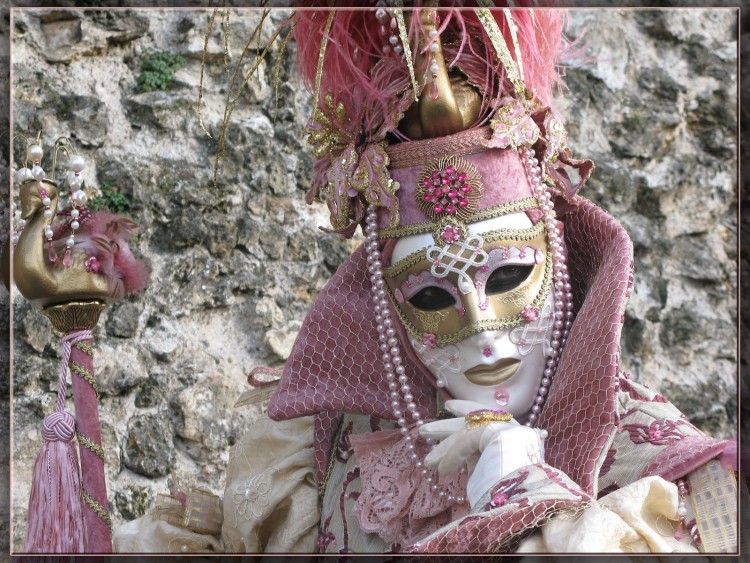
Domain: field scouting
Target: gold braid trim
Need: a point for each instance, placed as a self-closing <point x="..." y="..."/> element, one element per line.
<point x="501" y="48"/>
<point x="405" y="264"/>
<point x="512" y="234"/>
<point x="85" y="348"/>
<point x="488" y="213"/>
<point x="331" y="459"/>
<point x="86" y="374"/>
<point x="96" y="507"/>
<point x="404" y="36"/>
<point x="88" y="443"/>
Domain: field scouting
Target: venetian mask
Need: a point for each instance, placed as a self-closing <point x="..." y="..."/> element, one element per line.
<point x="477" y="307"/>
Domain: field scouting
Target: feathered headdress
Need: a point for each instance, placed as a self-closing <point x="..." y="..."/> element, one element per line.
<point x="368" y="70"/>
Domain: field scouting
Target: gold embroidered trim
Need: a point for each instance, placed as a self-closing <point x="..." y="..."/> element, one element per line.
<point x="498" y="42"/>
<point x="88" y="443"/>
<point x="322" y="54"/>
<point x="415" y="153"/>
<point x="404" y="36"/>
<point x="515" y="235"/>
<point x="481" y="326"/>
<point x="97" y="508"/>
<point x="488" y="213"/>
<point x="331" y="459"/>
<point x="514" y="37"/>
<point x="405" y="264"/>
<point x="86" y="374"/>
<point x="85" y="348"/>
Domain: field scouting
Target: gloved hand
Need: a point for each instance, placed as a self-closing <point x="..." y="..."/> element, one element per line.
<point x="492" y="451"/>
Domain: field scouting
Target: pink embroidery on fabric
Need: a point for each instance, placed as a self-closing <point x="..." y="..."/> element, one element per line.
<point x="396" y="501"/>
<point x="344" y="448"/>
<point x="351" y="476"/>
<point x="505" y="490"/>
<point x="659" y="432"/>
<point x="325" y="536"/>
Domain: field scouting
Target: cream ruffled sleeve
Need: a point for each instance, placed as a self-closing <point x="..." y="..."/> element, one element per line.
<point x="271" y="497"/>
<point x="637" y="518"/>
<point x="270" y="501"/>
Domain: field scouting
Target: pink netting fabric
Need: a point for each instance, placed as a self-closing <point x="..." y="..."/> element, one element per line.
<point x="395" y="501"/>
<point x="579" y="413"/>
<point x="335" y="364"/>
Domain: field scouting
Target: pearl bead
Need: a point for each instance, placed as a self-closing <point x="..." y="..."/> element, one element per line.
<point x="74" y="225"/>
<point x="70" y="242"/>
<point x="79" y="197"/>
<point x="46" y="202"/>
<point x="433" y="33"/>
<point x="393" y="40"/>
<point x="38" y="172"/>
<point x="34" y="153"/>
<point x="434" y="68"/>
<point x="434" y="48"/>
<point x="47" y="213"/>
<point x="48" y="233"/>
<point x="682" y="511"/>
<point x="77" y="163"/>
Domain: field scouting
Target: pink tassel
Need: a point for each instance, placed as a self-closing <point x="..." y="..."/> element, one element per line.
<point x="55" y="518"/>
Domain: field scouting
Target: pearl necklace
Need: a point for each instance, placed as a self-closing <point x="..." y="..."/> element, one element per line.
<point x="398" y="382"/>
<point x="563" y="303"/>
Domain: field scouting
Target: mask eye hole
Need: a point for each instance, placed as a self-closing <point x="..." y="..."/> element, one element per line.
<point x="432" y="298"/>
<point x="508" y="277"/>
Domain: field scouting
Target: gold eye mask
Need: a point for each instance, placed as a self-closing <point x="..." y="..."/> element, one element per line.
<point x="506" y="291"/>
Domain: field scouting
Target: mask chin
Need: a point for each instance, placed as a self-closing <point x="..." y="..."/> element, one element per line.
<point x="498" y="369"/>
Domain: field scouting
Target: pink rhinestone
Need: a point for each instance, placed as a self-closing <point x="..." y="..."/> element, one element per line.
<point x="487" y="352"/>
<point x="51" y="254"/>
<point x="68" y="258"/>
<point x="462" y="177"/>
<point x="450" y="170"/>
<point x="501" y="397"/>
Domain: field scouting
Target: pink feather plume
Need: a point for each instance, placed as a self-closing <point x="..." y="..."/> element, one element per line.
<point x="105" y="236"/>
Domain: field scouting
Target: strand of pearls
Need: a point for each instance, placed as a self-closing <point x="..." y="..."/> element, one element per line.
<point x="403" y="406"/>
<point x="563" y="302"/>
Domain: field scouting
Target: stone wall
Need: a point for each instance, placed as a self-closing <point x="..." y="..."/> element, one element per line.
<point x="236" y="267"/>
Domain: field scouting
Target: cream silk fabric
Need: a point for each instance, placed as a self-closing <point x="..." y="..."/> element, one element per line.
<point x="634" y="519"/>
<point x="271" y="505"/>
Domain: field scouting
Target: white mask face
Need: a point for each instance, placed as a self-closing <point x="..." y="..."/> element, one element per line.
<point x="497" y="368"/>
